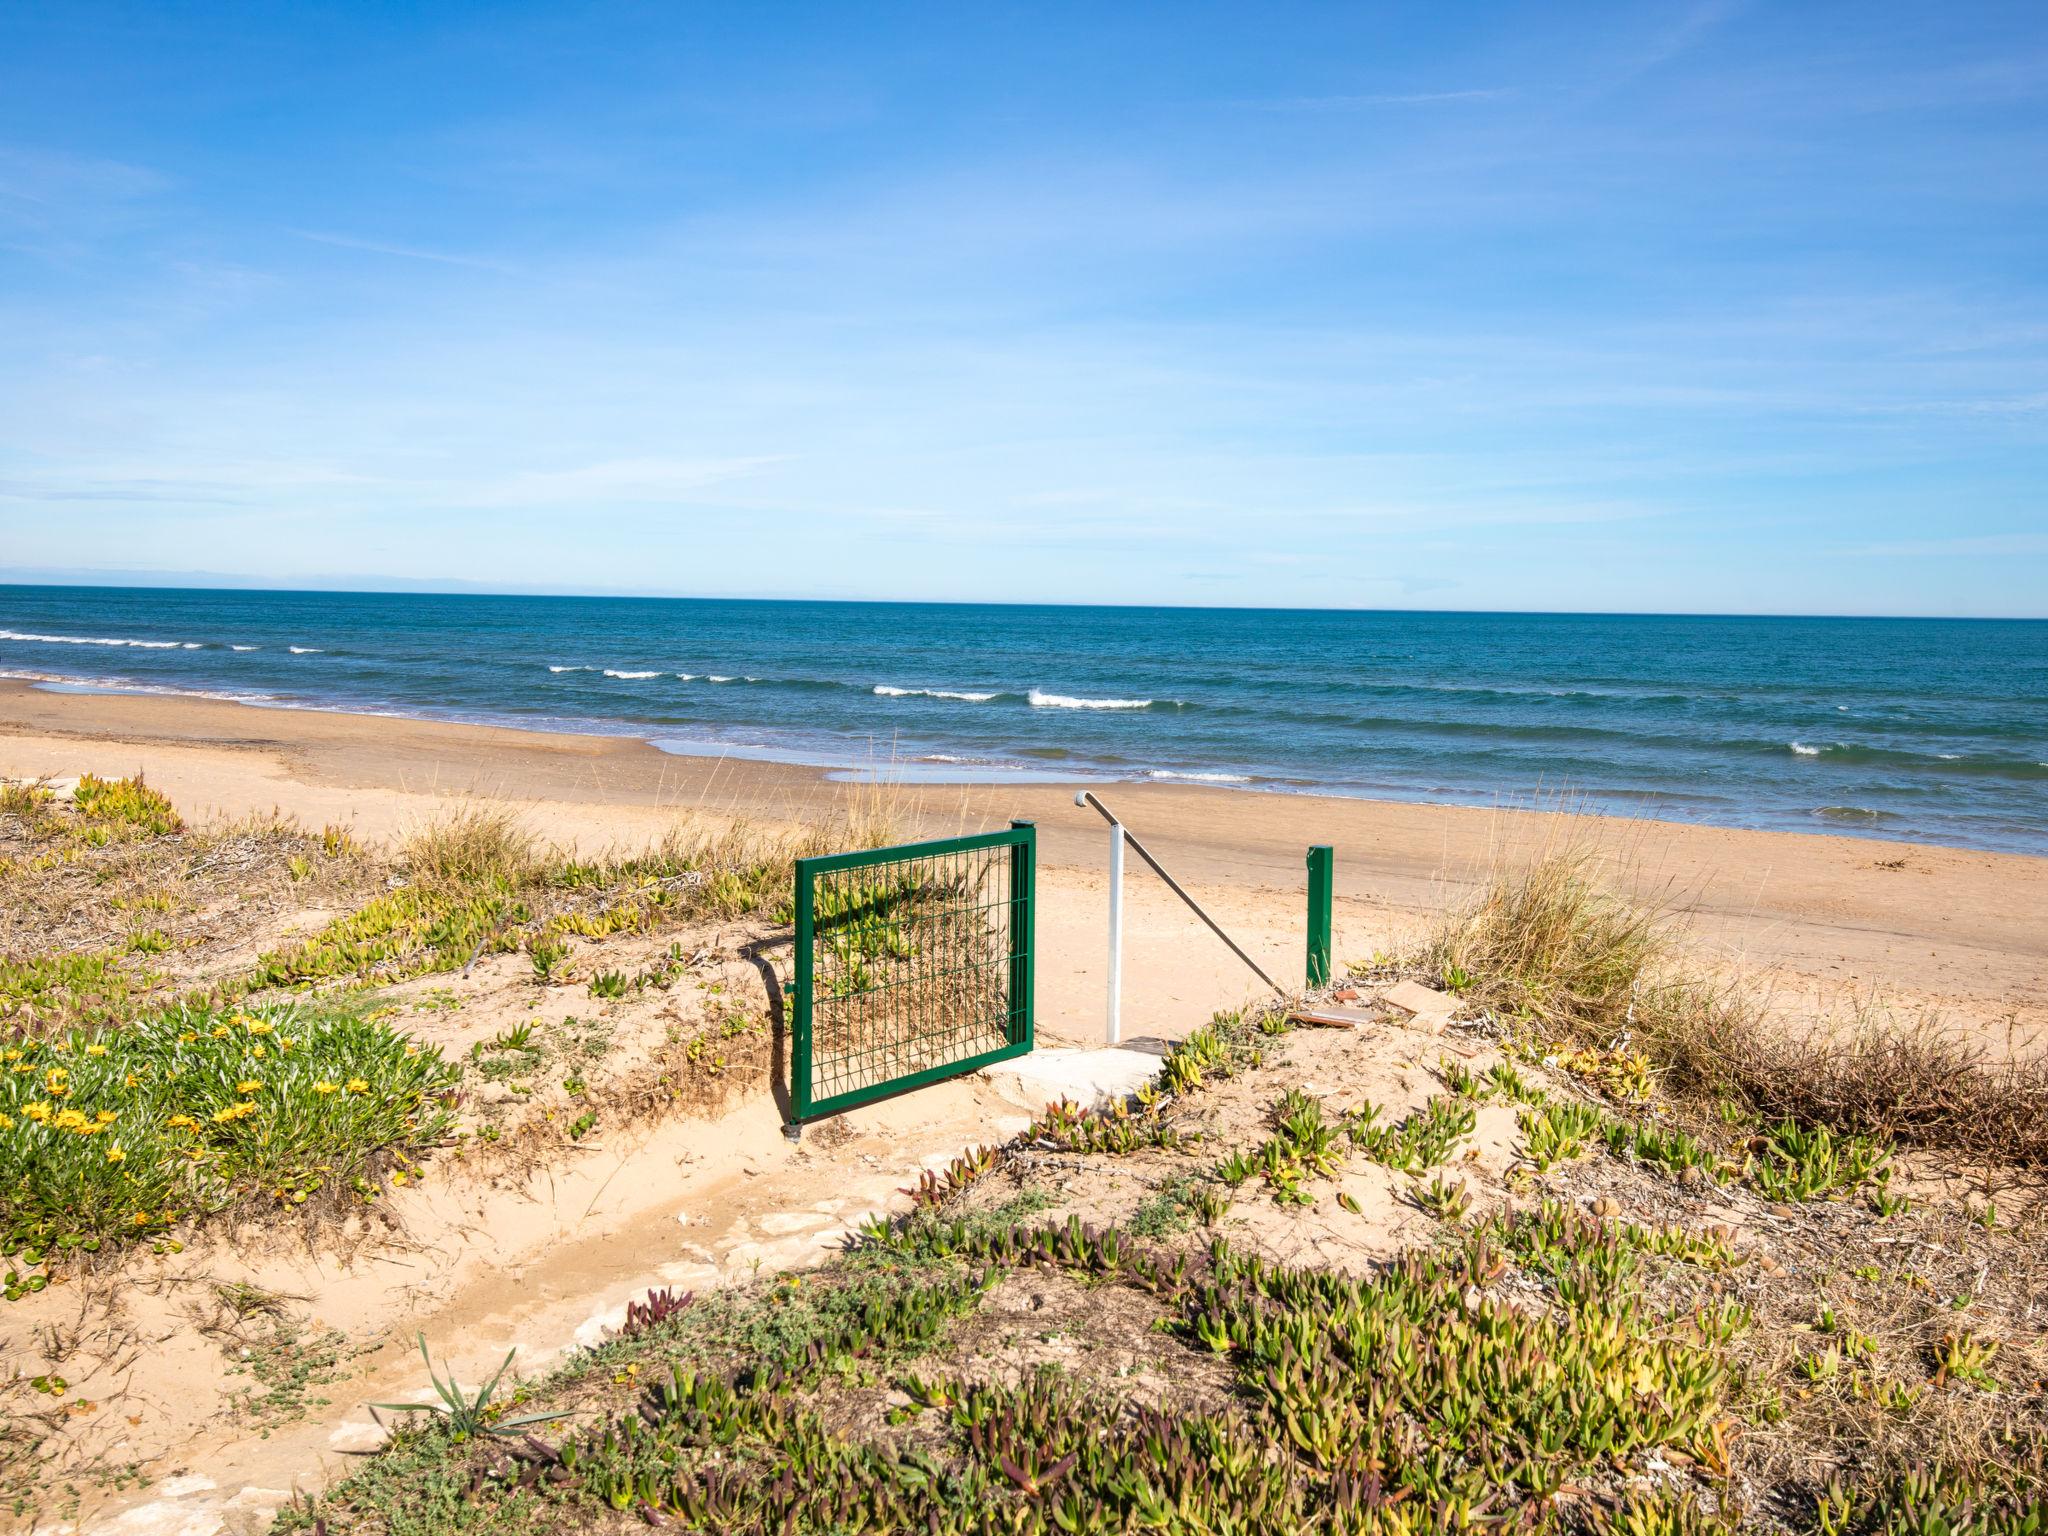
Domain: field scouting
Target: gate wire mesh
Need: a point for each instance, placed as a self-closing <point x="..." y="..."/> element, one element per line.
<point x="914" y="963"/>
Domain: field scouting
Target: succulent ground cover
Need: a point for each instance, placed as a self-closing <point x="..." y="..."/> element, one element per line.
<point x="1609" y="1308"/>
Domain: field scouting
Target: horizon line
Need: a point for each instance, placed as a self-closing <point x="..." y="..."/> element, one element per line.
<point x="428" y="587"/>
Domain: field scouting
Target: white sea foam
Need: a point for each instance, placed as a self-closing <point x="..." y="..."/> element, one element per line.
<point x="884" y="690"/>
<point x="713" y="677"/>
<point x="304" y="650"/>
<point x="1200" y="778"/>
<point x="633" y="676"/>
<point x="1805" y="751"/>
<point x="140" y="645"/>
<point x="1041" y="700"/>
<point x="245" y="647"/>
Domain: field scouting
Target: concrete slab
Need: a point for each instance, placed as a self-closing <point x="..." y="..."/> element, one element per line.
<point x="1426" y="1003"/>
<point x="1091" y="1078"/>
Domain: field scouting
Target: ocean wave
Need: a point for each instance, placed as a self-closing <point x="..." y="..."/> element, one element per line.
<point x="629" y="676"/>
<point x="1982" y="765"/>
<point x="1042" y="700"/>
<point x="1853" y="813"/>
<point x="1199" y="778"/>
<point x="140" y="645"/>
<point x="571" y="669"/>
<point x="304" y="650"/>
<point x="245" y="647"/>
<point x="884" y="690"/>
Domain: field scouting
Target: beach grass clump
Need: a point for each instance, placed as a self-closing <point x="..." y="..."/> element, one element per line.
<point x="478" y="843"/>
<point x="1601" y="980"/>
<point x="111" y="1134"/>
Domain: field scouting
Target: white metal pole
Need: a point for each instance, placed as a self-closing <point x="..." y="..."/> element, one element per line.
<point x="1116" y="928"/>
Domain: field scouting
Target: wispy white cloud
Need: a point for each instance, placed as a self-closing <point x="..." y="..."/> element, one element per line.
<point x="406" y="252"/>
<point x="1350" y="103"/>
<point x="1966" y="545"/>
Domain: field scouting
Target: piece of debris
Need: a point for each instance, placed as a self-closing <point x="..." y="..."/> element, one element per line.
<point x="1332" y="1018"/>
<point x="1432" y="1009"/>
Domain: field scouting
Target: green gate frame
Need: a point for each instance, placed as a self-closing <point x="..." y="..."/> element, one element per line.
<point x="1018" y="904"/>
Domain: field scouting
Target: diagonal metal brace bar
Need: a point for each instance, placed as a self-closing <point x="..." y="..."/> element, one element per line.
<point x="1085" y="797"/>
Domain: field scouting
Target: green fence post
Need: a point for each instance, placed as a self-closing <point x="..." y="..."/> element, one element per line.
<point x="1321" y="888"/>
<point x="1023" y="929"/>
<point x="800" y="996"/>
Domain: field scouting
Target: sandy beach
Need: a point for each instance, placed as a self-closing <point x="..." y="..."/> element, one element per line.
<point x="1832" y="920"/>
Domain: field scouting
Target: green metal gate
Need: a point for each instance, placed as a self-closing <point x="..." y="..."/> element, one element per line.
<point x="912" y="964"/>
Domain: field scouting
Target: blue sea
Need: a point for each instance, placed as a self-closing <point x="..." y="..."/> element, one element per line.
<point x="1935" y="730"/>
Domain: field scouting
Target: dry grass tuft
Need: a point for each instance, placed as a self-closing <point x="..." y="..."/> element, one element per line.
<point x="1546" y="943"/>
<point x="475" y="844"/>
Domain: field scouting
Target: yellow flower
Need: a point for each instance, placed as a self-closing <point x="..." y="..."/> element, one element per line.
<point x="398" y="1178"/>
<point x="140" y="1218"/>
<point x="179" y="1122"/>
<point x="187" y="1038"/>
<point x="70" y="1120"/>
<point x="256" y="1051"/>
<point x="88" y="1129"/>
<point x="132" y="1081"/>
<point x="95" y="1050"/>
<point x="234" y="1112"/>
<point x="36" y="1112"/>
<point x="6" y="1121"/>
<point x="248" y="1085"/>
<point x="115" y="1154"/>
<point x="10" y="1055"/>
<point x="326" y="1088"/>
<point x="412" y="1050"/>
<point x="357" y="1085"/>
<point x="259" y="1027"/>
<point x="220" y="1032"/>
<point x="24" y="1066"/>
<point x="107" y="1116"/>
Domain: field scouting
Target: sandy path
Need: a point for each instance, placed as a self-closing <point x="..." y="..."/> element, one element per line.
<point x="543" y="1264"/>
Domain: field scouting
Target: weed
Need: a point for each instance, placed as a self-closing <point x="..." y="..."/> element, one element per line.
<point x="1445" y="1199"/>
<point x="547" y="954"/>
<point x="1791" y="1162"/>
<point x="466" y="1418"/>
<point x="1557" y="1133"/>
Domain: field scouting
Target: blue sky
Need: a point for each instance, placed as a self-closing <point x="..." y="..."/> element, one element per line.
<point x="1692" y="307"/>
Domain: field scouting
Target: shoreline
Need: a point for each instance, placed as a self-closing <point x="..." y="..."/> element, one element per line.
<point x="839" y="761"/>
<point x="1832" y="916"/>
